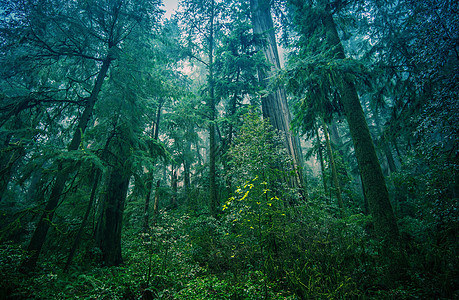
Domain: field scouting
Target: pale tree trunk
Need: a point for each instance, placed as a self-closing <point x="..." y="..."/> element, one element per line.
<point x="274" y="105"/>
<point x="39" y="235"/>
<point x="150" y="176"/>
<point x="321" y="160"/>
<point x="186" y="170"/>
<point x="211" y="104"/>
<point x="229" y="136"/>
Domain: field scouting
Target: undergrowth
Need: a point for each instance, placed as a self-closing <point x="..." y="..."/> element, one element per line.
<point x="197" y="256"/>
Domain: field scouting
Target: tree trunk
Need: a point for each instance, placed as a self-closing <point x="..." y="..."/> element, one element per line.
<point x="212" y="114"/>
<point x="229" y="136"/>
<point x="370" y="169"/>
<point x="7" y="168"/>
<point x="335" y="137"/>
<point x="186" y="170"/>
<point x="100" y="205"/>
<point x="333" y="168"/>
<point x="321" y="159"/>
<point x="186" y="177"/>
<point x="174" y="183"/>
<point x="158" y="119"/>
<point x="385" y="145"/>
<point x="83" y="222"/>
<point x="10" y="153"/>
<point x="274" y="105"/>
<point x="150" y="176"/>
<point x="366" y="208"/>
<point x="35" y="184"/>
<point x="146" y="209"/>
<point x="39" y="235"/>
<point x="108" y="238"/>
<point x="336" y="142"/>
<point x="156" y="203"/>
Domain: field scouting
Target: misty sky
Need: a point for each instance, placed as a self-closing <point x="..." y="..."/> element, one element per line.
<point x="170" y="6"/>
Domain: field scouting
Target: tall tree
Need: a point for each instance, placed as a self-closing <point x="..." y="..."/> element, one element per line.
<point x="236" y="66"/>
<point x="108" y="236"/>
<point x="92" y="31"/>
<point x="274" y="104"/>
<point x="125" y="111"/>
<point x="202" y="21"/>
<point x="181" y="126"/>
<point x="331" y="158"/>
<point x="370" y="169"/>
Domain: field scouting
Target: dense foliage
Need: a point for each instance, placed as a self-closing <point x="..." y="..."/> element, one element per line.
<point x="151" y="158"/>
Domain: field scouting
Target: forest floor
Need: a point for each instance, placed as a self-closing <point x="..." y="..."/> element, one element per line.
<point x="199" y="257"/>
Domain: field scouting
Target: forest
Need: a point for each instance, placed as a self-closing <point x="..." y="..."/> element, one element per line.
<point x="229" y="149"/>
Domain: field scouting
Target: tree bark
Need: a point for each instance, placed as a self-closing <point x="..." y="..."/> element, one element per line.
<point x="370" y="169"/>
<point x="11" y="153"/>
<point x="39" y="235"/>
<point x="150" y="176"/>
<point x="35" y="184"/>
<point x="76" y="242"/>
<point x="229" y="136"/>
<point x="156" y="203"/>
<point x="158" y="119"/>
<point x="274" y="105"/>
<point x="333" y="167"/>
<point x="109" y="236"/>
<point x="146" y="209"/>
<point x="337" y="143"/>
<point x="186" y="170"/>
<point x="384" y="144"/>
<point x="174" y="188"/>
<point x="321" y="160"/>
<point x="212" y="144"/>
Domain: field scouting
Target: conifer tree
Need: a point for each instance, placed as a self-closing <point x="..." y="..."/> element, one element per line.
<point x="202" y="21"/>
<point x="370" y="169"/>
<point x="92" y="32"/>
<point x="274" y="104"/>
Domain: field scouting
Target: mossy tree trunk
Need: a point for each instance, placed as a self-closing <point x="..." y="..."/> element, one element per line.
<point x="385" y="146"/>
<point x="10" y="153"/>
<point x="108" y="238"/>
<point x="79" y="234"/>
<point x="372" y="176"/>
<point x="337" y="144"/>
<point x="39" y="235"/>
<point x="333" y="168"/>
